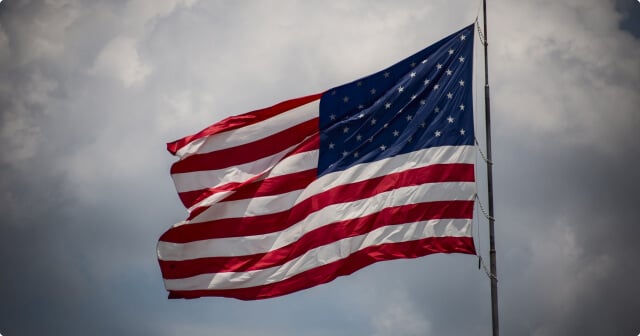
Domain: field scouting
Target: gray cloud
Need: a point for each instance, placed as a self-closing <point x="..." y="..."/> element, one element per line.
<point x="90" y="92"/>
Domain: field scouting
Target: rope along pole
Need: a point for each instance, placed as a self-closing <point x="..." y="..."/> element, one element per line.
<point x="492" y="243"/>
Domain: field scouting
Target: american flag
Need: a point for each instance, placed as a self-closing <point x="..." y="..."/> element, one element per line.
<point x="292" y="196"/>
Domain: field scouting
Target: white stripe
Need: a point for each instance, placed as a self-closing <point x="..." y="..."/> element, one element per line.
<point x="296" y="163"/>
<point x="246" y="245"/>
<point x="238" y="173"/>
<point x="398" y="163"/>
<point x="361" y="172"/>
<point x="255" y="206"/>
<point x="324" y="255"/>
<point x="252" y="132"/>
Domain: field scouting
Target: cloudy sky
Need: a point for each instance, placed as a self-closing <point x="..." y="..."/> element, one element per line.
<point x="90" y="92"/>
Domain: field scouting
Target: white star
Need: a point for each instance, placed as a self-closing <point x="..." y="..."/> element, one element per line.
<point x="409" y="117"/>
<point x="426" y="82"/>
<point x="359" y="137"/>
<point x="409" y="139"/>
<point x="413" y="74"/>
<point x="437" y="109"/>
<point x="332" y="117"/>
<point x="356" y="154"/>
<point x="386" y="74"/>
<point x="387" y="106"/>
<point x="461" y="59"/>
<point x="461" y="82"/>
<point x="461" y="107"/>
<point x="437" y="86"/>
<point x="462" y="37"/>
<point x="439" y="66"/>
<point x="400" y="89"/>
<point x="422" y="101"/>
<point x="345" y="130"/>
<point x="437" y="133"/>
<point x="383" y="147"/>
<point x="385" y="125"/>
<point x="396" y="133"/>
<point x="425" y="61"/>
<point x="449" y="95"/>
<point x="451" y="51"/>
<point x="449" y="72"/>
<point x="345" y="99"/>
<point x="373" y="121"/>
<point x="414" y="97"/>
<point x="450" y="119"/>
<point x="345" y="153"/>
<point x="331" y="145"/>
<point x="373" y="91"/>
<point x="462" y="131"/>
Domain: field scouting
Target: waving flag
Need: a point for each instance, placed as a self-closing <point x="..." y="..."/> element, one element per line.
<point x="294" y="195"/>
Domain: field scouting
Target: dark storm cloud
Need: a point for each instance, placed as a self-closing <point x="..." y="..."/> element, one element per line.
<point x="582" y="268"/>
<point x="630" y="11"/>
<point x="69" y="243"/>
<point x="567" y="184"/>
<point x="90" y="92"/>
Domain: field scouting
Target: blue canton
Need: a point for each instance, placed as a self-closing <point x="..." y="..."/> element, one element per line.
<point x="422" y="101"/>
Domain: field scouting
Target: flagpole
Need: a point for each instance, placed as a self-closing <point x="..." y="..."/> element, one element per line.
<point x="492" y="244"/>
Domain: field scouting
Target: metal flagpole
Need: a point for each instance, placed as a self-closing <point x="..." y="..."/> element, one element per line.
<point x="492" y="244"/>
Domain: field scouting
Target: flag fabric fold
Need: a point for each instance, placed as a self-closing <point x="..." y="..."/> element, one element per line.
<point x="294" y="195"/>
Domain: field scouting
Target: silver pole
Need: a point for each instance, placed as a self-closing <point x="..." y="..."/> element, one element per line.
<point x="492" y="243"/>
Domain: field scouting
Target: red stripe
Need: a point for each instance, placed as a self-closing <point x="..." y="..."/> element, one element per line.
<point x="242" y="120"/>
<point x="248" y="152"/>
<point x="193" y="197"/>
<point x="346" y="266"/>
<point x="271" y="186"/>
<point x="319" y="237"/>
<point x="189" y="198"/>
<point x="274" y="185"/>
<point x="247" y="226"/>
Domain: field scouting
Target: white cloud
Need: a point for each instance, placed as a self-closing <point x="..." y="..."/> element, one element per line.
<point x="569" y="78"/>
<point x="4" y="46"/>
<point x="562" y="277"/>
<point x="20" y="137"/>
<point x="144" y="10"/>
<point x="20" y="131"/>
<point x="119" y="59"/>
<point x="400" y="318"/>
<point x="46" y="37"/>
